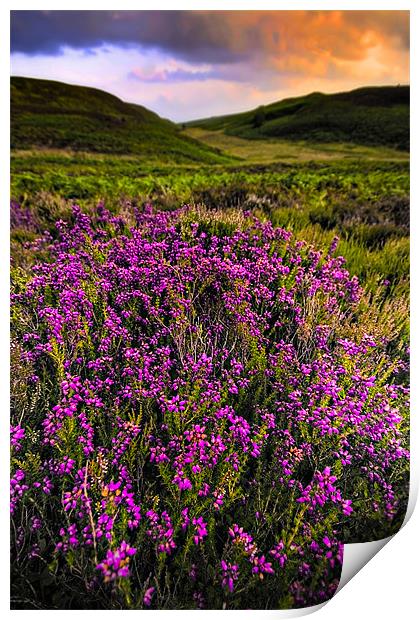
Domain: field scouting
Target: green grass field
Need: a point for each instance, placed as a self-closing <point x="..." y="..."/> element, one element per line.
<point x="53" y="115"/>
<point x="365" y="203"/>
<point x="272" y="150"/>
<point x="317" y="189"/>
<point x="377" y="116"/>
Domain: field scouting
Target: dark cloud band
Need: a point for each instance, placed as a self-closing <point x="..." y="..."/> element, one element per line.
<point x="203" y="37"/>
<point x="218" y="37"/>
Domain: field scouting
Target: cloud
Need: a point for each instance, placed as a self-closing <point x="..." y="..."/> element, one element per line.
<point x="211" y="36"/>
<point x="189" y="34"/>
<point x="176" y="75"/>
<point x="187" y="64"/>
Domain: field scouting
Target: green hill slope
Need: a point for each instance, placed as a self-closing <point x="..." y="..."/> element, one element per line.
<point x="54" y="115"/>
<point x="371" y="116"/>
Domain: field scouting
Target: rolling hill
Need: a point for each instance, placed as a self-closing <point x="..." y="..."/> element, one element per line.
<point x="375" y="116"/>
<point x="53" y="115"/>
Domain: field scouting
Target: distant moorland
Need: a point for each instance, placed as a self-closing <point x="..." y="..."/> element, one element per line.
<point x="376" y="116"/>
<point x="47" y="114"/>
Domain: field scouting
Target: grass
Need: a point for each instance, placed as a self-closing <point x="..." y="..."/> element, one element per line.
<point x="370" y="116"/>
<point x="314" y="188"/>
<point x="53" y="115"/>
<point x="272" y="150"/>
<point x="365" y="203"/>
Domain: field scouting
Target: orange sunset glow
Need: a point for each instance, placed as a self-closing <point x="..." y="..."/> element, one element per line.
<point x="189" y="64"/>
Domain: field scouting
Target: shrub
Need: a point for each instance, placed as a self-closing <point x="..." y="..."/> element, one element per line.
<point x="259" y="117"/>
<point x="204" y="412"/>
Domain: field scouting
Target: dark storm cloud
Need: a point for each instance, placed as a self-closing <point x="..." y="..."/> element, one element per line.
<point x="292" y="41"/>
<point x="203" y="63"/>
<point x="204" y="37"/>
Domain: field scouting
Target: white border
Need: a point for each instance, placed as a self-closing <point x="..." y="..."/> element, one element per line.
<point x="389" y="584"/>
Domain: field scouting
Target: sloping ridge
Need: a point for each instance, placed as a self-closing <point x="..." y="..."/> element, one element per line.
<point x="371" y="115"/>
<point x="49" y="114"/>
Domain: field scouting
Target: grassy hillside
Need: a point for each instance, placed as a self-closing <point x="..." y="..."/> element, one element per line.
<point x="274" y="150"/>
<point x="54" y="115"/>
<point x="377" y="116"/>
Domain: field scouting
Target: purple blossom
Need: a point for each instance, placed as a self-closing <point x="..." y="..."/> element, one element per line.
<point x="197" y="381"/>
<point x="230" y="574"/>
<point x="148" y="595"/>
<point x="260" y="566"/>
<point x="200" y="530"/>
<point x="116" y="563"/>
<point x="17" y="434"/>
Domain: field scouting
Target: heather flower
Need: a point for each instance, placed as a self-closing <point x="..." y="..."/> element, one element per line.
<point x="148" y="595"/>
<point x="198" y="379"/>
<point x="161" y="531"/>
<point x="347" y="508"/>
<point x="278" y="553"/>
<point x="199" y="599"/>
<point x="242" y="538"/>
<point x="116" y="563"/>
<point x="36" y="523"/>
<point x="230" y="574"/>
<point x="260" y="566"/>
<point x="183" y="484"/>
<point x="200" y="530"/>
<point x="17" y="434"/>
<point x="17" y="488"/>
<point x="185" y="520"/>
<point x="69" y="537"/>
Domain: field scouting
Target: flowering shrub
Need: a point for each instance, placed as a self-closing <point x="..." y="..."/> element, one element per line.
<point x="22" y="217"/>
<point x="208" y="413"/>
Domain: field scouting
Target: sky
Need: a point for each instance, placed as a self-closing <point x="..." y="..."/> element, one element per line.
<point x="194" y="64"/>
